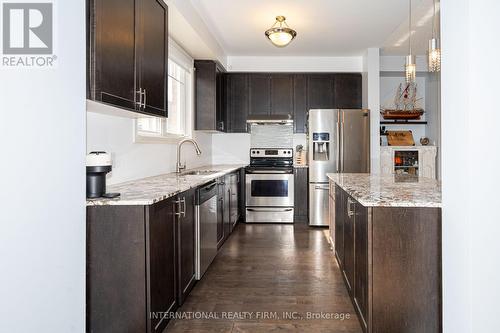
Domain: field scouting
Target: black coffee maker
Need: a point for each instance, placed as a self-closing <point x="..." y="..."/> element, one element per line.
<point x="98" y="166"/>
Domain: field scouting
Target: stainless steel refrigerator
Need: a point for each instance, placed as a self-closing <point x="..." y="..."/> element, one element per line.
<point x="338" y="141"/>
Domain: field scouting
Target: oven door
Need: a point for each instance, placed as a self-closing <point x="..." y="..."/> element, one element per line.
<point x="269" y="189"/>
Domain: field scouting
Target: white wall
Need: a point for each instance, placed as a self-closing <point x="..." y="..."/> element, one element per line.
<point x="293" y="64"/>
<point x="470" y="141"/>
<point x="231" y="148"/>
<point x="371" y="100"/>
<point x="42" y="220"/>
<point x="131" y="160"/>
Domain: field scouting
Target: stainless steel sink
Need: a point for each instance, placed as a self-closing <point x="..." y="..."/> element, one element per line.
<point x="199" y="173"/>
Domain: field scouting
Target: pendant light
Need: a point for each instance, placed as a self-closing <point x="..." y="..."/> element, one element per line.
<point x="280" y="33"/>
<point x="434" y="50"/>
<point x="410" y="66"/>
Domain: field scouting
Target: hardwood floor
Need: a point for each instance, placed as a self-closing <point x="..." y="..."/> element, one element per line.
<point x="264" y="273"/>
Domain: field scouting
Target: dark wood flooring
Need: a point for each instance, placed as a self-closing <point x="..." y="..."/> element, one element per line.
<point x="274" y="271"/>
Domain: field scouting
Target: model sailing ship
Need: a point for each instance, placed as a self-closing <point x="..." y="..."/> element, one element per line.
<point x="405" y="103"/>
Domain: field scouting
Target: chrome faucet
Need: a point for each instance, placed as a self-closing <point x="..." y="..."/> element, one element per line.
<point x="179" y="166"/>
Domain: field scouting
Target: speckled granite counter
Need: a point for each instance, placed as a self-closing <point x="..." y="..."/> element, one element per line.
<point x="389" y="191"/>
<point x="150" y="190"/>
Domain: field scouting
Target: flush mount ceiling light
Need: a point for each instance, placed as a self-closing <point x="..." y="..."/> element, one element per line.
<point x="280" y="33"/>
<point x="410" y="66"/>
<point x="434" y="50"/>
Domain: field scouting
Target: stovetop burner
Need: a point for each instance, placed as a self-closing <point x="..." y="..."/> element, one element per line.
<point x="271" y="158"/>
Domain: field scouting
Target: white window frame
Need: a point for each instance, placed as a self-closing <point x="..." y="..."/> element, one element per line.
<point x="181" y="58"/>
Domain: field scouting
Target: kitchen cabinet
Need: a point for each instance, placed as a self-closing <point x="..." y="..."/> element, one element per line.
<point x="348" y="91"/>
<point x="390" y="258"/>
<point x="361" y="260"/>
<point x="233" y="180"/>
<point x="131" y="263"/>
<point x="301" y="193"/>
<point x="339" y="224"/>
<point x="281" y="94"/>
<point x="237" y="102"/>
<point x="186" y="237"/>
<point x="227" y="206"/>
<point x="210" y="112"/>
<point x="160" y="263"/>
<point x="259" y="94"/>
<point x="128" y="54"/>
<point x="348" y="263"/>
<point x="300" y="103"/>
<point x="242" y="195"/>
<point x="320" y="91"/>
<point x="221" y="193"/>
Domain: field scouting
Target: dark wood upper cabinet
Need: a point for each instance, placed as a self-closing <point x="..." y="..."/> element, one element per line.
<point x="186" y="237"/>
<point x="237" y="102"/>
<point x="111" y="64"/>
<point x="348" y="91"/>
<point x="282" y="94"/>
<point x="128" y="54"/>
<point x="153" y="56"/>
<point x="300" y="103"/>
<point x="320" y="91"/>
<point x="210" y="93"/>
<point x="259" y="94"/>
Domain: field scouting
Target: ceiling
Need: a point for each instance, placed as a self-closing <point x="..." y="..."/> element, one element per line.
<point x="324" y="27"/>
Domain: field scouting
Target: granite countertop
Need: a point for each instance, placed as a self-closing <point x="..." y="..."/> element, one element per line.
<point x="389" y="190"/>
<point x="147" y="191"/>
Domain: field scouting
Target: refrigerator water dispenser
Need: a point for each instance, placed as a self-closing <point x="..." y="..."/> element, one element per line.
<point x="321" y="146"/>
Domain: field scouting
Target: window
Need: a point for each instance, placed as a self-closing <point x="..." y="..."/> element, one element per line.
<point x="177" y="125"/>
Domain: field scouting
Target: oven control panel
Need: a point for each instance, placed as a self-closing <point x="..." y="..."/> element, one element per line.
<point x="276" y="153"/>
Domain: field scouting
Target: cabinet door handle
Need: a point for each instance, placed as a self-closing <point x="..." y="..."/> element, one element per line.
<point x="183" y="202"/>
<point x="350" y="211"/>
<point x="145" y="97"/>
<point x="140" y="97"/>
<point x="178" y="209"/>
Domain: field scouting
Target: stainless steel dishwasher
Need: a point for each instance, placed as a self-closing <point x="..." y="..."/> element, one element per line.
<point x="206" y="227"/>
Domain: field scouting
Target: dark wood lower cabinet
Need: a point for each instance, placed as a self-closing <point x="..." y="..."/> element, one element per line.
<point x="361" y="262"/>
<point x="301" y="194"/>
<point x="186" y="246"/>
<point x="130" y="267"/>
<point x="339" y="224"/>
<point x="160" y="263"/>
<point x="391" y="261"/>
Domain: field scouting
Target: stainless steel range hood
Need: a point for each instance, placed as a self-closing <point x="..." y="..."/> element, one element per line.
<point x="270" y="119"/>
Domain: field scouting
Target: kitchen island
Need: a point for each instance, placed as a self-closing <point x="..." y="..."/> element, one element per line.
<point x="386" y="232"/>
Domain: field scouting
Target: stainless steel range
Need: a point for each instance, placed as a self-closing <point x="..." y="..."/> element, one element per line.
<point x="269" y="186"/>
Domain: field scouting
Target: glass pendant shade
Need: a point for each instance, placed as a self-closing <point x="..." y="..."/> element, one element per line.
<point x="434" y="56"/>
<point x="410" y="69"/>
<point x="434" y="50"/>
<point x="280" y="34"/>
